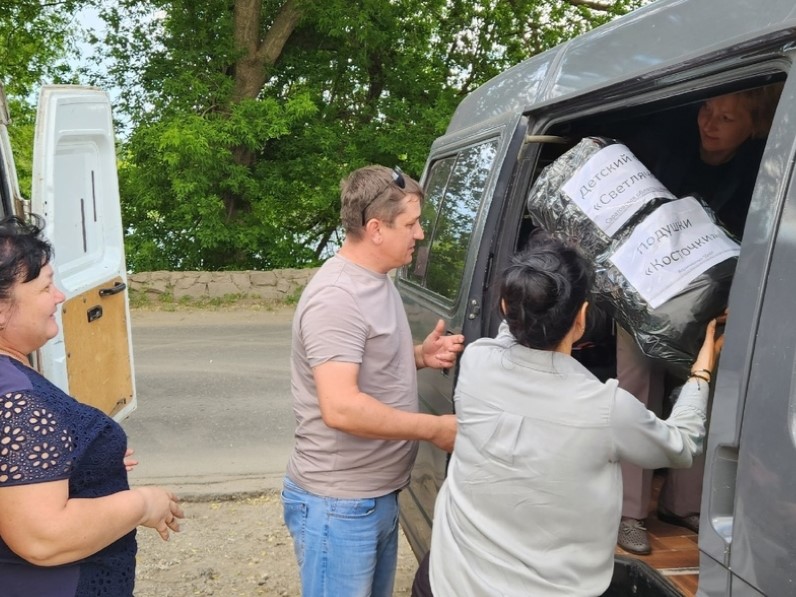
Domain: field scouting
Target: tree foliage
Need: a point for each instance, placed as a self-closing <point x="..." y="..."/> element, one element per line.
<point x="37" y="40"/>
<point x="247" y="113"/>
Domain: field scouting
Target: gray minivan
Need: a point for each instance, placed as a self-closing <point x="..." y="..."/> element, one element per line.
<point x="629" y="80"/>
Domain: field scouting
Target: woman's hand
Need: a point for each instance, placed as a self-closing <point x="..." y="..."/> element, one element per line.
<point x="711" y="347"/>
<point x="129" y="463"/>
<point x="162" y="510"/>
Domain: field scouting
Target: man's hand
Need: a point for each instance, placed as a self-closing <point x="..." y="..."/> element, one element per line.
<point x="438" y="350"/>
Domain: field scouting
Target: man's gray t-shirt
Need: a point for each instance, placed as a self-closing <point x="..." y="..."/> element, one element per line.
<point x="350" y="314"/>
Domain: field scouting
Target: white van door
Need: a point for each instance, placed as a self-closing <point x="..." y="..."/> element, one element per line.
<point x="76" y="191"/>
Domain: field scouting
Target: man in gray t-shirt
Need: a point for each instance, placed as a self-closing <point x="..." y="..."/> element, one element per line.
<point x="355" y="394"/>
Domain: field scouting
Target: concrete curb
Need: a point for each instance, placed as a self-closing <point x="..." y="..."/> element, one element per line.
<point x="216" y="488"/>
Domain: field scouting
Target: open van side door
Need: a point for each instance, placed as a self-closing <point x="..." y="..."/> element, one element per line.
<point x="76" y="191"/>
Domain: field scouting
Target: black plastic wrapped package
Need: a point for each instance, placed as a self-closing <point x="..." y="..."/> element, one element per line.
<point x="663" y="266"/>
<point x="570" y="200"/>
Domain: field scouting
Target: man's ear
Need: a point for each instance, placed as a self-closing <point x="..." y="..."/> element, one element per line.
<point x="372" y="231"/>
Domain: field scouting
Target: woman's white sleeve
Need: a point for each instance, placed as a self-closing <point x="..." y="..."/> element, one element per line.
<point x="650" y="442"/>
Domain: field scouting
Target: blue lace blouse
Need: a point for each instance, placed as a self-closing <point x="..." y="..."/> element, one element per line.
<point x="46" y="435"/>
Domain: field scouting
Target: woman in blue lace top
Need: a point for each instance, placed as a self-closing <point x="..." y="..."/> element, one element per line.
<point x="67" y="514"/>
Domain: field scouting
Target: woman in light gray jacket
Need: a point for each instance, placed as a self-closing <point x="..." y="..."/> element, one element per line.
<point x="533" y="496"/>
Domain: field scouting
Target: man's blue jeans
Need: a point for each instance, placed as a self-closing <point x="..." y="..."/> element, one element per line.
<point x="344" y="547"/>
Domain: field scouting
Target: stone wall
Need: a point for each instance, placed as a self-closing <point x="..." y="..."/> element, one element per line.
<point x="274" y="285"/>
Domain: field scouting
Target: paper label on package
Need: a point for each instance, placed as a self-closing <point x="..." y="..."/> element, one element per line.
<point x="672" y="246"/>
<point x="613" y="185"/>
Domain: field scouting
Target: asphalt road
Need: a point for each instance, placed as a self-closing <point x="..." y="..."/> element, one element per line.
<point x="214" y="409"/>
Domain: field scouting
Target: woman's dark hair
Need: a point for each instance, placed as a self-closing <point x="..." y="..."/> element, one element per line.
<point x="542" y="290"/>
<point x="23" y="252"/>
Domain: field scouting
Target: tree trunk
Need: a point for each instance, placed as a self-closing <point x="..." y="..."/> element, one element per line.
<point x="251" y="70"/>
<point x="253" y="65"/>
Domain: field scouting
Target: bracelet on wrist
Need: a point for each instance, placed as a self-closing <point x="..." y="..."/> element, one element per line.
<point x="708" y="372"/>
<point x="699" y="376"/>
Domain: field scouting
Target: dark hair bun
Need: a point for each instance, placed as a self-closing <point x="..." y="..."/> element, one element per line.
<point x="542" y="290"/>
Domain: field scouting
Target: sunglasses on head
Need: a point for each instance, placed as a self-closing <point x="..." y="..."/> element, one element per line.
<point x="397" y="180"/>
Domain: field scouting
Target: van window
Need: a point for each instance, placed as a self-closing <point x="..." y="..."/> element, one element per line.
<point x="454" y="188"/>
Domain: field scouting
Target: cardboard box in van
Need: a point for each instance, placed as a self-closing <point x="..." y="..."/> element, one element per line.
<point x="641" y="80"/>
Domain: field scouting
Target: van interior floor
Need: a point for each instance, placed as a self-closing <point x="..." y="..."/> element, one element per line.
<point x="675" y="550"/>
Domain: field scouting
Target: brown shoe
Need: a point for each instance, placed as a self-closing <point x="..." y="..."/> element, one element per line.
<point x="632" y="536"/>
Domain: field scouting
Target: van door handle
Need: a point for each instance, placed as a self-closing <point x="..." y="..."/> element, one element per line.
<point x="115" y="289"/>
<point x="475" y="309"/>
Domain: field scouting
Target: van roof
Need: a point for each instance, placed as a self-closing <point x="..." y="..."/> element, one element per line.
<point x="645" y="43"/>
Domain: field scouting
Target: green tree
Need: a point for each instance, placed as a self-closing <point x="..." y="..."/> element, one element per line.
<point x="247" y="113"/>
<point x="37" y="39"/>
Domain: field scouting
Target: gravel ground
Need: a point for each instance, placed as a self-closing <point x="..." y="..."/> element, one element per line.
<point x="232" y="547"/>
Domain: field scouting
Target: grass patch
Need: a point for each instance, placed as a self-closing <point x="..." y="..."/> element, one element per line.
<point x="166" y="301"/>
<point x="293" y="299"/>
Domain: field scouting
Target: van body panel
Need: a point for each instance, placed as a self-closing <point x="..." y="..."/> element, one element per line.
<point x="714" y="578"/>
<point x="737" y="401"/>
<point x="763" y="551"/>
<point x="651" y="42"/>
<point x="75" y="190"/>
<point x="661" y="36"/>
<point x="741" y="589"/>
<point x="507" y="93"/>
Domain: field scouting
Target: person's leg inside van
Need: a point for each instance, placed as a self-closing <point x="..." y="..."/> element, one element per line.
<point x="640" y="376"/>
<point x="680" y="498"/>
<point x="681" y="495"/>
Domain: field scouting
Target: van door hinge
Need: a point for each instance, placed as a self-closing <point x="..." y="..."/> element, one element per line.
<point x="475" y="309"/>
